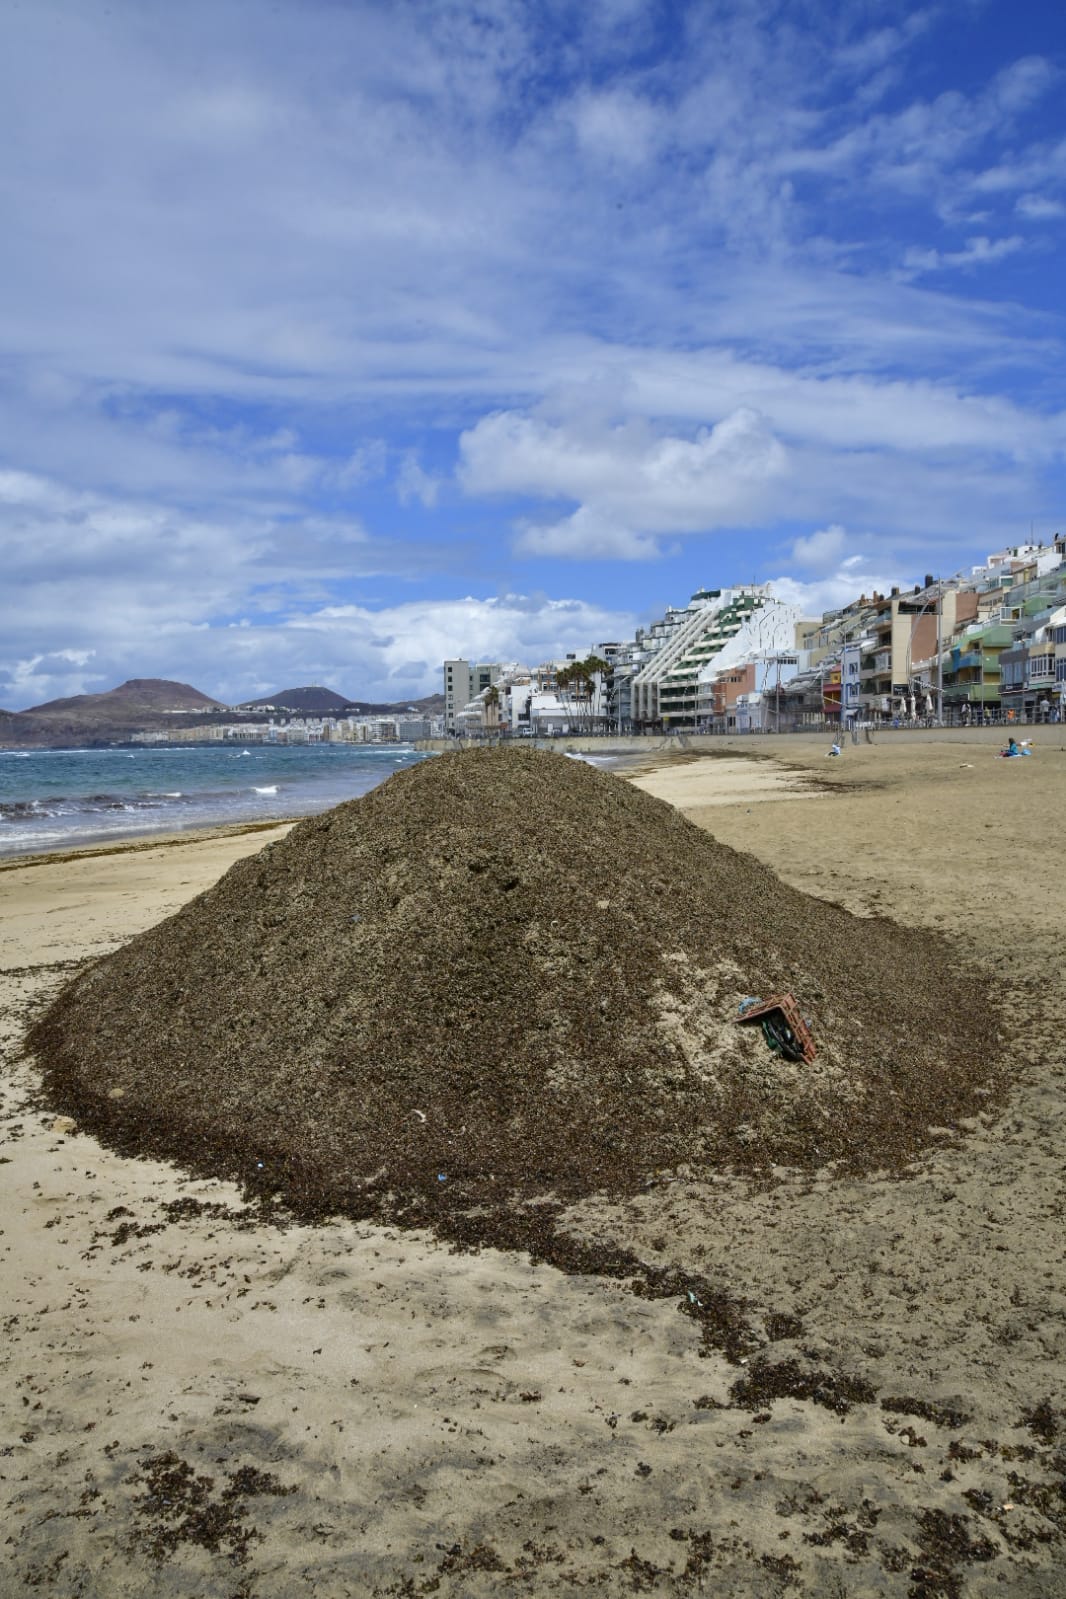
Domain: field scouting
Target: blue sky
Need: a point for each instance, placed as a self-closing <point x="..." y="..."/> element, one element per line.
<point x="339" y="337"/>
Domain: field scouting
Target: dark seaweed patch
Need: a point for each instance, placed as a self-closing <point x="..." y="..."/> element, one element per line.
<point x="178" y="1506"/>
<point x="787" y="1379"/>
<point x="926" y="1410"/>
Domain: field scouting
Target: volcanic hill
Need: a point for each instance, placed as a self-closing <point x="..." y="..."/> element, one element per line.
<point x="311" y="701"/>
<point x="316" y="701"/>
<point x="138" y="704"/>
<point x="506" y="973"/>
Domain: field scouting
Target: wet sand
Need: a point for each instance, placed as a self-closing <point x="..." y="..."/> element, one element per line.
<point x="196" y="1401"/>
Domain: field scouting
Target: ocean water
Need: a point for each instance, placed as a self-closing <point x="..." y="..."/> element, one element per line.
<point x="59" y="799"/>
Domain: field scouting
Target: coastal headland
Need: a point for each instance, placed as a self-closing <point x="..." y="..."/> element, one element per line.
<point x="820" y="1384"/>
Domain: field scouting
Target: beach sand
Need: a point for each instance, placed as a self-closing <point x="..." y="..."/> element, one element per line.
<point x="197" y="1402"/>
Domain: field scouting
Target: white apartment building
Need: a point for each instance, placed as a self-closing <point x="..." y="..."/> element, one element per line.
<point x="463" y="682"/>
<point x="765" y="636"/>
<point x="674" y="688"/>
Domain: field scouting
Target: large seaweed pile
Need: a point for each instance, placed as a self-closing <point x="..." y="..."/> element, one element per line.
<point x="505" y="972"/>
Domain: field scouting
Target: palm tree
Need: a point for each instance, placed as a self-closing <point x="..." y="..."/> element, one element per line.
<point x="586" y="672"/>
<point x="575" y="682"/>
<point x="564" y="678"/>
<point x="492" y="707"/>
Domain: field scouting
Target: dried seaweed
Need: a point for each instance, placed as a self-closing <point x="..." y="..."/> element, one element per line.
<point x="505" y="974"/>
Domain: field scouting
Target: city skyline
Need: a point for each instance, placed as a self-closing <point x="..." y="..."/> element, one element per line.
<point x="342" y="340"/>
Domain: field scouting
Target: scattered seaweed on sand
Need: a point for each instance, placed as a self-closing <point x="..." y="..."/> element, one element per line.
<point x="504" y="975"/>
<point x="180" y="1506"/>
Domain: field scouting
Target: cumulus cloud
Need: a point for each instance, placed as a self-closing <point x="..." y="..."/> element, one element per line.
<point x="389" y="653"/>
<point x="510" y="627"/>
<point x="822" y="550"/>
<point x="113" y="589"/>
<point x="632" y="480"/>
<point x="588" y="535"/>
<point x="833" y="589"/>
<point x="904" y="454"/>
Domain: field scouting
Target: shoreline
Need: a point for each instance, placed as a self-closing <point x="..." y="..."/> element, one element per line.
<point x="735" y="755"/>
<point x="142" y="842"/>
<point x="627" y="764"/>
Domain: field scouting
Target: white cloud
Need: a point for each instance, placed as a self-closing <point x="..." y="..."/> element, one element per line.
<point x="904" y="455"/>
<point x="1025" y="81"/>
<point x="839" y="587"/>
<point x="631" y="479"/>
<point x="385" y="653"/>
<point x="24" y="489"/>
<point x="1039" y="208"/>
<point x="979" y="251"/>
<point x="1040" y="163"/>
<point x="381" y="644"/>
<point x="414" y="483"/>
<point x="110" y="589"/>
<point x="821" y="550"/>
<point x="587" y="535"/>
<point x="41" y="677"/>
<point x="365" y="463"/>
<point x="616" y="125"/>
<point x="845" y="562"/>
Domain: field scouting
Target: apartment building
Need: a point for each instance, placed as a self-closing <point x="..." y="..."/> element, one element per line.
<point x="1025" y="637"/>
<point x="675" y="687"/>
<point x="1033" y="668"/>
<point x="971" y="670"/>
<point x="463" y="682"/>
<point x="765" y="635"/>
<point x="904" y="640"/>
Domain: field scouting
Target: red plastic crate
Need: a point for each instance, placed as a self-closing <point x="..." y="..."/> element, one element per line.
<point x="781" y="1011"/>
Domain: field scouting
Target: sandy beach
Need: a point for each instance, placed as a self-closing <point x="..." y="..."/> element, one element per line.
<point x="198" y="1401"/>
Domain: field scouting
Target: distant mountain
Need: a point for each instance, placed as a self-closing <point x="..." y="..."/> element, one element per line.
<point x="136" y="694"/>
<point x="312" y="701"/>
<point x="430" y="705"/>
<point x="139" y="705"/>
<point x="316" y="701"/>
<point x="152" y="704"/>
